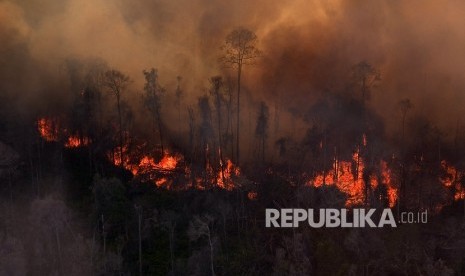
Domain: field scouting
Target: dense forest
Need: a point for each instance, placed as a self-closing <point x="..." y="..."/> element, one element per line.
<point x="125" y="162"/>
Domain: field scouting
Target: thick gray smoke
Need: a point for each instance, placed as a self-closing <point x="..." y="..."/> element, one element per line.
<point x="308" y="46"/>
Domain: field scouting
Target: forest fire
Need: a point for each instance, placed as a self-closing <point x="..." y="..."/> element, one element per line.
<point x="387" y="180"/>
<point x="147" y="163"/>
<point x="75" y="142"/>
<point x="224" y="179"/>
<point x="144" y="165"/>
<point x="348" y="176"/>
<point x="452" y="178"/>
<point x="48" y="129"/>
<point x="352" y="183"/>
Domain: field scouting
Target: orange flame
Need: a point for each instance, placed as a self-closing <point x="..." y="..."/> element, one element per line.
<point x="252" y="195"/>
<point x="75" y="142"/>
<point x="386" y="179"/>
<point x="147" y="163"/>
<point x="452" y="178"/>
<point x="224" y="178"/>
<point x="450" y="174"/>
<point x="352" y="183"/>
<point x="48" y="129"/>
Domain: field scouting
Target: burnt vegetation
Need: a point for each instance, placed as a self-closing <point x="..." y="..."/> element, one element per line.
<point x="120" y="179"/>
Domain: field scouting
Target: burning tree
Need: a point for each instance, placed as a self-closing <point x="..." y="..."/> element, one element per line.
<point x="240" y="49"/>
<point x="117" y="82"/>
<point x="217" y="85"/>
<point x="152" y="100"/>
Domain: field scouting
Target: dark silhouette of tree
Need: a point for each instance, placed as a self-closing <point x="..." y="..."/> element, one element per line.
<point x="239" y="50"/>
<point x="152" y="100"/>
<point x="200" y="227"/>
<point x="217" y="84"/>
<point x="261" y="130"/>
<point x="404" y="105"/>
<point x="191" y="113"/>
<point x="206" y="135"/>
<point x="365" y="76"/>
<point x="117" y="82"/>
<point x="169" y="220"/>
<point x="179" y="94"/>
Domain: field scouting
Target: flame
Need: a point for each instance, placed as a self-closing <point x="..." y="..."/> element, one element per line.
<point x="48" y="129"/>
<point x="147" y="163"/>
<point x="161" y="182"/>
<point x="75" y="142"/>
<point x="450" y="173"/>
<point x="352" y="183"/>
<point x="252" y="195"/>
<point x="115" y="156"/>
<point x="224" y="178"/>
<point x="451" y="177"/>
<point x="386" y="179"/>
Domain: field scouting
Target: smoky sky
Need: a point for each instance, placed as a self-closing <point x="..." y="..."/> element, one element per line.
<point x="308" y="46"/>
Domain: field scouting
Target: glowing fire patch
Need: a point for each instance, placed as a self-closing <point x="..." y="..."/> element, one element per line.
<point x="386" y="179"/>
<point x="252" y="195"/>
<point x="48" y="129"/>
<point x="75" y="142"/>
<point x="224" y="179"/>
<point x="147" y="163"/>
<point x="450" y="173"/>
<point x="451" y="177"/>
<point x="352" y="183"/>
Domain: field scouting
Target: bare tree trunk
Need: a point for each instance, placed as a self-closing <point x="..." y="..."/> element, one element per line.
<point x="104" y="246"/>
<point x="220" y="144"/>
<point x="239" y="69"/>
<point x="171" y="240"/>
<point x="211" y="252"/>
<point x="60" y="263"/>
<point x="160" y="131"/>
<point x="140" y="243"/>
<point x="120" y="131"/>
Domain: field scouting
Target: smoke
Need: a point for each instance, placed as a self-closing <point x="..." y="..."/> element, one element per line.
<point x="308" y="47"/>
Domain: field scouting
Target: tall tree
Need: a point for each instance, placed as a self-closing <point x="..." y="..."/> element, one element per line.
<point x="153" y="94"/>
<point x="365" y="75"/>
<point x="179" y="94"/>
<point x="404" y="105"/>
<point x="206" y="134"/>
<point x="201" y="227"/>
<point x="117" y="82"/>
<point x="261" y="130"/>
<point x="217" y="84"/>
<point x="239" y="50"/>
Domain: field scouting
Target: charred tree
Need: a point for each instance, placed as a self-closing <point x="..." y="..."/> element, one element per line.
<point x="117" y="82"/>
<point x="239" y="50"/>
<point x="217" y="84"/>
<point x="404" y="105"/>
<point x="206" y="135"/>
<point x="261" y="130"/>
<point x="179" y="94"/>
<point x="152" y="100"/>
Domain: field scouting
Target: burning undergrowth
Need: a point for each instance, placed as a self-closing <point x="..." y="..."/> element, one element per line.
<point x="167" y="170"/>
